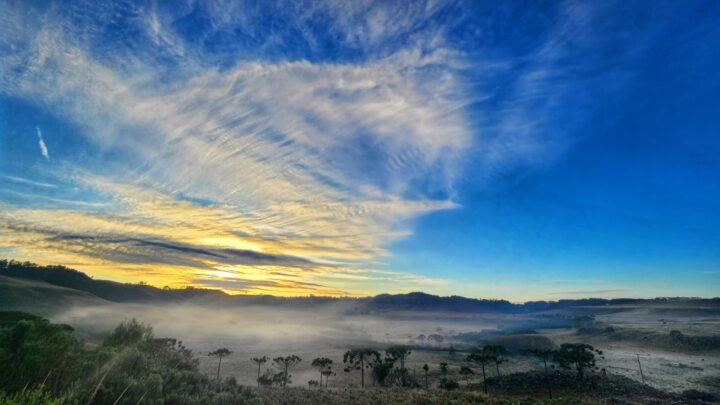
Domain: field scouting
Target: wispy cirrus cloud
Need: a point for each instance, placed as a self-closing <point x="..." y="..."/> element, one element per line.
<point x="34" y="183"/>
<point x="268" y="158"/>
<point x="589" y="293"/>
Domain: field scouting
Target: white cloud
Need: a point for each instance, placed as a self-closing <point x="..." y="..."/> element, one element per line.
<point x="305" y="149"/>
<point x="304" y="155"/>
<point x="325" y="161"/>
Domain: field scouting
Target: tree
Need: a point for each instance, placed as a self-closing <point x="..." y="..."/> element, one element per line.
<point x="426" y="369"/>
<point x="380" y="371"/>
<point x="449" y="384"/>
<point x="321" y="363"/>
<point x="481" y="358"/>
<point x="466" y="372"/>
<point x="285" y="364"/>
<point x="358" y="359"/>
<point x="31" y="347"/>
<point x="578" y="355"/>
<point x="259" y="361"/>
<point x="327" y="373"/>
<point x="498" y="354"/>
<point x="220" y="353"/>
<point x="266" y="379"/>
<point x="398" y="353"/>
<point x="545" y="355"/>
<point x="444" y="369"/>
<point x="129" y="333"/>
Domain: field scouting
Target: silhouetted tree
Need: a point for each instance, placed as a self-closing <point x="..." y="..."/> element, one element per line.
<point x="545" y="355"/>
<point x="359" y="359"/>
<point x="267" y="378"/>
<point x="399" y="353"/>
<point x="482" y="359"/>
<point x="259" y="361"/>
<point x="449" y="384"/>
<point x="578" y="355"/>
<point x="220" y="353"/>
<point x="466" y="372"/>
<point x="321" y="363"/>
<point x="327" y="373"/>
<point x="444" y="369"/>
<point x="285" y="364"/>
<point x="380" y="370"/>
<point x="426" y="369"/>
<point x="498" y="354"/>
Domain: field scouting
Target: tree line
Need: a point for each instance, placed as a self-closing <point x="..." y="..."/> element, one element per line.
<point x="391" y="369"/>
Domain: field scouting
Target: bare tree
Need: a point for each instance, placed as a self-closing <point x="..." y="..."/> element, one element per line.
<point x="220" y="353"/>
<point x="359" y="359"/>
<point x="259" y="361"/>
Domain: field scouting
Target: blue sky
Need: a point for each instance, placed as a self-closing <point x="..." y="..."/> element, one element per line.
<point x="521" y="151"/>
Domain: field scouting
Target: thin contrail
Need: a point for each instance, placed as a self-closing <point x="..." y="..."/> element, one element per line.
<point x="41" y="143"/>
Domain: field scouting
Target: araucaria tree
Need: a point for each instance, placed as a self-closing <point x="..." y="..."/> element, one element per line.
<point x="285" y="364"/>
<point x="220" y="353"/>
<point x="498" y="354"/>
<point x="327" y="373"/>
<point x="482" y="359"/>
<point x="426" y="369"/>
<point x="359" y="359"/>
<point x="322" y="363"/>
<point x="466" y="372"/>
<point x="578" y="355"/>
<point x="259" y="361"/>
<point x="399" y="353"/>
<point x="444" y="370"/>
<point x="545" y="355"/>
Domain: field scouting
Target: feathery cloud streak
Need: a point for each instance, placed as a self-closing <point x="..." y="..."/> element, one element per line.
<point x="286" y="143"/>
<point x="308" y="167"/>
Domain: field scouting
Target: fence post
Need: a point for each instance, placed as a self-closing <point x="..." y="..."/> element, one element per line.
<point x="642" y="376"/>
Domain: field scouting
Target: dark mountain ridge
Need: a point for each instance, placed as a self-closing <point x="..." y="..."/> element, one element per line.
<point x="143" y="293"/>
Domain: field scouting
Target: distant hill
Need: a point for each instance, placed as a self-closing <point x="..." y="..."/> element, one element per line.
<point x="41" y="297"/>
<point x="74" y="286"/>
<point x="139" y="293"/>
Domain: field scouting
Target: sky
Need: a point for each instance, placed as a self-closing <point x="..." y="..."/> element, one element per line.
<point x="516" y="150"/>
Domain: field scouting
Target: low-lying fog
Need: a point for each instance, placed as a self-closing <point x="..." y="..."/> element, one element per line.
<point x="251" y="331"/>
<point x="329" y="330"/>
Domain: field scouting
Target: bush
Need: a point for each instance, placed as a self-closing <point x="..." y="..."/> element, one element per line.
<point x="449" y="384"/>
<point x="37" y="396"/>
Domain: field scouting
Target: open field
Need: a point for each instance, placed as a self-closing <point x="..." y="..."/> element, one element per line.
<point x="677" y="341"/>
<point x="622" y="333"/>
